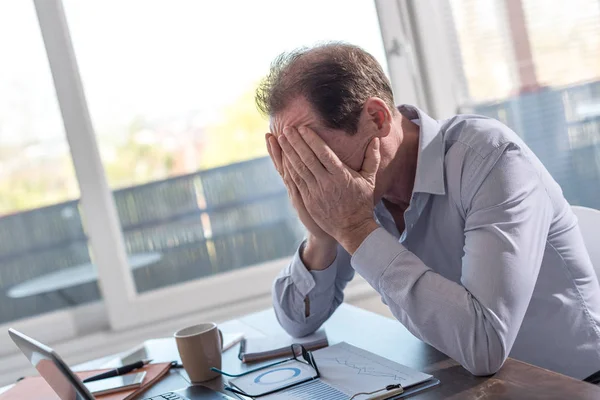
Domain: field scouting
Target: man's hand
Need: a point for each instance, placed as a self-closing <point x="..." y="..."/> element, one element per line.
<point x="320" y="249"/>
<point x="339" y="199"/>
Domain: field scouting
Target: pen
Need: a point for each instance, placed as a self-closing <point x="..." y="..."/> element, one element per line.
<point x="388" y="394"/>
<point x="118" y="371"/>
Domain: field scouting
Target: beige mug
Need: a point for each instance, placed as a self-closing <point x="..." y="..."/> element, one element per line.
<point x="200" y="347"/>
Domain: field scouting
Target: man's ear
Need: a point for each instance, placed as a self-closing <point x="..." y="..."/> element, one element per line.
<point x="376" y="117"/>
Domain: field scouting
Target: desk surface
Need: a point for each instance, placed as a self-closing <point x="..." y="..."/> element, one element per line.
<point x="388" y="338"/>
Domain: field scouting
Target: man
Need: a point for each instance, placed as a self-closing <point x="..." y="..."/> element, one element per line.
<point x="456" y="223"/>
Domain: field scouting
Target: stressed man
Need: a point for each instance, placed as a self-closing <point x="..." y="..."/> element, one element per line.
<point x="456" y="223"/>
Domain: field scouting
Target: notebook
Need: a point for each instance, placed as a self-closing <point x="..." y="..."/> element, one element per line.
<point x="36" y="387"/>
<point x="261" y="349"/>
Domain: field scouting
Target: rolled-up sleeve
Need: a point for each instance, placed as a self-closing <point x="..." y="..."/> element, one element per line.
<point x="304" y="299"/>
<point x="507" y="216"/>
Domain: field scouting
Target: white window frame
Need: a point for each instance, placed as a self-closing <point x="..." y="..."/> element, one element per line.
<point x="419" y="51"/>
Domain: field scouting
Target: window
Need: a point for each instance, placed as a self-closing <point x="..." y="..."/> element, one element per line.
<point x="536" y="67"/>
<point x="171" y="94"/>
<point x="45" y="264"/>
<point x="196" y="205"/>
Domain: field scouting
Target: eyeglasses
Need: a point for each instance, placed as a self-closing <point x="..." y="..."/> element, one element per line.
<point x="299" y="354"/>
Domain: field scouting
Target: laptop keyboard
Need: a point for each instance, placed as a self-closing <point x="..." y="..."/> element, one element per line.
<point x="175" y="396"/>
<point x="168" y="396"/>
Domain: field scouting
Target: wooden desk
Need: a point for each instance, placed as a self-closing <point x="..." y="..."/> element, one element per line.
<point x="388" y="338"/>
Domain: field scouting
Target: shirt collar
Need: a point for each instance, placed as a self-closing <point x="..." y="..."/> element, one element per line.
<point x="429" y="177"/>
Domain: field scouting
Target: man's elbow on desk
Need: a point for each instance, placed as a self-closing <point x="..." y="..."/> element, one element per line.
<point x="295" y="327"/>
<point x="483" y="365"/>
<point x="484" y="369"/>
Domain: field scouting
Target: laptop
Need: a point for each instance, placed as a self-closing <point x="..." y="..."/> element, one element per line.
<point x="69" y="387"/>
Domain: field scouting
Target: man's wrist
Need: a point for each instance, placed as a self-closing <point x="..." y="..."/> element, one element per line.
<point x="318" y="254"/>
<point x="352" y="238"/>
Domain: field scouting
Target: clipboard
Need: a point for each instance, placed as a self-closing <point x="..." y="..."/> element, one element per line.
<point x="416" y="388"/>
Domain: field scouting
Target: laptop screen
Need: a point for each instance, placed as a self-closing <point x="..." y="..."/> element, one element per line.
<point x="51" y="368"/>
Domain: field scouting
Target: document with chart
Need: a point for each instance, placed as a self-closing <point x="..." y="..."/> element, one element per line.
<point x="346" y="370"/>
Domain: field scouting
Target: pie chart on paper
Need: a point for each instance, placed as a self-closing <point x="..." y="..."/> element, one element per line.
<point x="277" y="376"/>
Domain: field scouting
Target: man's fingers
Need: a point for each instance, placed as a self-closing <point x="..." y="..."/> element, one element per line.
<point x="270" y="152"/>
<point x="305" y="153"/>
<point x="295" y="163"/>
<point x="289" y="183"/>
<point x="289" y="178"/>
<point x="292" y="174"/>
<point x="370" y="164"/>
<point x="274" y="152"/>
<point x="323" y="152"/>
<point x="293" y="191"/>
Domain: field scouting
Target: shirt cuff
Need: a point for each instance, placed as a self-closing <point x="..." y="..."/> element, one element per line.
<point x="306" y="280"/>
<point x="375" y="254"/>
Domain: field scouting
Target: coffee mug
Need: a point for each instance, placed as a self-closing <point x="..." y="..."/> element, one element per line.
<point x="200" y="347"/>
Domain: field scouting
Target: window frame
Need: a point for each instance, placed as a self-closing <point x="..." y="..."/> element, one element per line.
<point x="419" y="52"/>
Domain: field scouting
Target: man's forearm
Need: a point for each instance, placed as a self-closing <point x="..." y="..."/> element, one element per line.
<point x="318" y="254"/>
<point x="296" y="284"/>
<point x="433" y="308"/>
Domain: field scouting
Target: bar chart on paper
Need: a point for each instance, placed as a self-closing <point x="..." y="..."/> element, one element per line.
<point x="316" y="390"/>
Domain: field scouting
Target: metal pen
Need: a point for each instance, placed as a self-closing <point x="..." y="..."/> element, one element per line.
<point x="118" y="371"/>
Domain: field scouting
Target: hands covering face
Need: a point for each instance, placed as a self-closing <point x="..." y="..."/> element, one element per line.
<point x="332" y="200"/>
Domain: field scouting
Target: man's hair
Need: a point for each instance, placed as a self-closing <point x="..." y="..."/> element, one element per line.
<point x="335" y="78"/>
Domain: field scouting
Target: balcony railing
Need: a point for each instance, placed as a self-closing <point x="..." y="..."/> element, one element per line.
<point x="201" y="224"/>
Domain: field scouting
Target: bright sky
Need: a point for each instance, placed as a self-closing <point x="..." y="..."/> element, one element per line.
<point x="162" y="58"/>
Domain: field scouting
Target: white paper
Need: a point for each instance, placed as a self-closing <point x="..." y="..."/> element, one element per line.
<point x="354" y="370"/>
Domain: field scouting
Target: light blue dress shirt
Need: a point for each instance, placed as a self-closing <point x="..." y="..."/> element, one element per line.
<point x="491" y="263"/>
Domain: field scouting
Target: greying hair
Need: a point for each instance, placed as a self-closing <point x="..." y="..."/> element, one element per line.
<point x="335" y="78"/>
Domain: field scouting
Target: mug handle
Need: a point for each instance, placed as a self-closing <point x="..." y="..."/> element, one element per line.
<point x="221" y="338"/>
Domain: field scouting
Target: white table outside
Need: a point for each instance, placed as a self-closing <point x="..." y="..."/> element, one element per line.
<point x="57" y="281"/>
